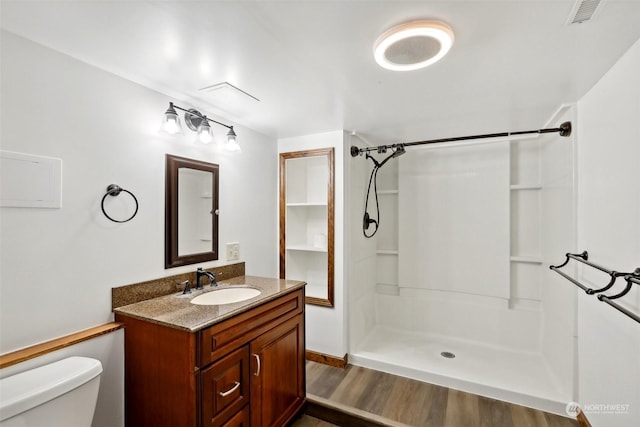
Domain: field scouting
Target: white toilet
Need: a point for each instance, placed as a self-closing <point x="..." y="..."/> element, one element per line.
<point x="60" y="394"/>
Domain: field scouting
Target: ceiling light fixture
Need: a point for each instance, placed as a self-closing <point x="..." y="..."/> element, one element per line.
<point x="413" y="45"/>
<point x="198" y="123"/>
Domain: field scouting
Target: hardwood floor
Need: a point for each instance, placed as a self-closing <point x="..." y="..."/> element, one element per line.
<point x="307" y="421"/>
<point x="398" y="401"/>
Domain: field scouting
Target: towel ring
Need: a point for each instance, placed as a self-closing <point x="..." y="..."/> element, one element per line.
<point x="114" y="190"/>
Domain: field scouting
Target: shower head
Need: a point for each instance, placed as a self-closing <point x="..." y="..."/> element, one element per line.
<point x="399" y="151"/>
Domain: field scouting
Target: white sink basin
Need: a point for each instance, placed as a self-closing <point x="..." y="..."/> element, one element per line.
<point x="226" y="296"/>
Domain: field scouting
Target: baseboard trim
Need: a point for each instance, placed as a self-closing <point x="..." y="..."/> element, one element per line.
<point x="582" y="419"/>
<point x="326" y="359"/>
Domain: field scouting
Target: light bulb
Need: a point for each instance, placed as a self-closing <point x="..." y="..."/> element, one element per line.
<point x="205" y="135"/>
<point x="171" y="126"/>
<point x="171" y="121"/>
<point x="232" y="142"/>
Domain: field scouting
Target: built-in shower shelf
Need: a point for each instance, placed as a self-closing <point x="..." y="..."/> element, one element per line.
<point x="525" y="304"/>
<point x="526" y="259"/>
<point x="387" y="192"/>
<point x="386" y="252"/>
<point x="526" y="187"/>
<point x="387" y="289"/>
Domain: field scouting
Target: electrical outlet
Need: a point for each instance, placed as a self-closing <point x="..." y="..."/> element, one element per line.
<point x="233" y="251"/>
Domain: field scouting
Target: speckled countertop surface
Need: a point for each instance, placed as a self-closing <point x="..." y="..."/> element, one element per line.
<point x="176" y="310"/>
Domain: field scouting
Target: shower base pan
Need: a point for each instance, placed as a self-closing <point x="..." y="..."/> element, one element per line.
<point x="517" y="377"/>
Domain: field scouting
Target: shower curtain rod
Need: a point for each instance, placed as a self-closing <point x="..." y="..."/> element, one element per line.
<point x="563" y="130"/>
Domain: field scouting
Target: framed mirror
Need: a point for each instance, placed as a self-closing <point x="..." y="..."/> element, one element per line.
<point x="191" y="211"/>
<point x="307" y="222"/>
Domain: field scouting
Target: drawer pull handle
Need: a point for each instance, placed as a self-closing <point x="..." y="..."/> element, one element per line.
<point x="231" y="390"/>
<point x="257" y="373"/>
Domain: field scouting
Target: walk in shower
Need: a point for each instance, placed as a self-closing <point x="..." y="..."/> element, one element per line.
<point x="455" y="288"/>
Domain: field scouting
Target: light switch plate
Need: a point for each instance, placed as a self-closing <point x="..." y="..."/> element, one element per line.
<point x="233" y="251"/>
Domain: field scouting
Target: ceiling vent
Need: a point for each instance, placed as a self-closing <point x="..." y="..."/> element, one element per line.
<point x="229" y="99"/>
<point x="583" y="10"/>
<point x="225" y="91"/>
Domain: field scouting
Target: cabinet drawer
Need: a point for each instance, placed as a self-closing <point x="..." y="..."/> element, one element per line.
<point x="225" y="387"/>
<point x="217" y="340"/>
<point x="241" y="419"/>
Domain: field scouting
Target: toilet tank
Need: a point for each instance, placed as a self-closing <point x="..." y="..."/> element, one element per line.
<point x="60" y="394"/>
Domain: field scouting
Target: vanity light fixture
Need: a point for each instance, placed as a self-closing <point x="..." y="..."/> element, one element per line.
<point x="198" y="123"/>
<point x="413" y="45"/>
<point x="232" y="142"/>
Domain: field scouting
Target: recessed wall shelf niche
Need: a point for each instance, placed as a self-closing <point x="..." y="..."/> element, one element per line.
<point x="307" y="222"/>
<point x="525" y="199"/>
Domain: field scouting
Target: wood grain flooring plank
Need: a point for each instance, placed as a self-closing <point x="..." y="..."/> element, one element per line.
<point x="322" y="380"/>
<point x="409" y="402"/>
<point x="346" y="416"/>
<point x="438" y="409"/>
<point x="312" y="373"/>
<point x="374" y="398"/>
<point x="307" y="421"/>
<point x="415" y="403"/>
<point x="527" y="417"/>
<point x="494" y="413"/>
<point x="352" y="386"/>
<point x="559" y="421"/>
<point x="462" y="409"/>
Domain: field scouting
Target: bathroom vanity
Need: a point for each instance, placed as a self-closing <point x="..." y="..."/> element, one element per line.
<point x="238" y="364"/>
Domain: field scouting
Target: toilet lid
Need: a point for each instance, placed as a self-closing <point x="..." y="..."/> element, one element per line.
<point x="26" y="390"/>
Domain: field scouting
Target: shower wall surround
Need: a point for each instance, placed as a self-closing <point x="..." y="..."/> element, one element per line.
<point x="460" y="255"/>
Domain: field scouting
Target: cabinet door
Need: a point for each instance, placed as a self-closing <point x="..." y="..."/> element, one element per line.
<point x="277" y="374"/>
<point x="241" y="419"/>
<point x="225" y="387"/>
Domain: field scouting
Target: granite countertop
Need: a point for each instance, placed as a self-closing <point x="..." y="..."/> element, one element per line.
<point x="176" y="311"/>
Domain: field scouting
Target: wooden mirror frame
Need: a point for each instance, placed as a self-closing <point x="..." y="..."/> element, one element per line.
<point x="329" y="153"/>
<point x="172" y="259"/>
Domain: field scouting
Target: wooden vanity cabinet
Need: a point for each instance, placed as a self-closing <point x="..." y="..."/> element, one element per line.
<point x="275" y="392"/>
<point x="248" y="370"/>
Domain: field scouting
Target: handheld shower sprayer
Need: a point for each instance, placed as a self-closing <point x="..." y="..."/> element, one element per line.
<point x="367" y="220"/>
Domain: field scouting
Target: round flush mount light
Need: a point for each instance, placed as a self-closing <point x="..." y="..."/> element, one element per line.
<point x="413" y="45"/>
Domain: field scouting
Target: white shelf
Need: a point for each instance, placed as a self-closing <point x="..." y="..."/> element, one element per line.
<point x="526" y="259"/>
<point x="305" y="204"/>
<point x="306" y="248"/>
<point x="386" y="252"/>
<point x="525" y="187"/>
<point x="387" y="192"/>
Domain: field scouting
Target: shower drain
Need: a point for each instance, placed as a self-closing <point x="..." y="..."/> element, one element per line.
<point x="447" y="354"/>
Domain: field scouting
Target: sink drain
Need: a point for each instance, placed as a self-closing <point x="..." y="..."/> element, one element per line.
<point x="447" y="354"/>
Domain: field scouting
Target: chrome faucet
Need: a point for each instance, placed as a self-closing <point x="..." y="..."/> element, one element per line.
<point x="212" y="277"/>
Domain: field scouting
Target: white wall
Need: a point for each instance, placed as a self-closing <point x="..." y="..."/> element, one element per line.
<point x="58" y="265"/>
<point x="558" y="231"/>
<point x="609" y="228"/>
<point x="325" y="326"/>
<point x="361" y="252"/>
